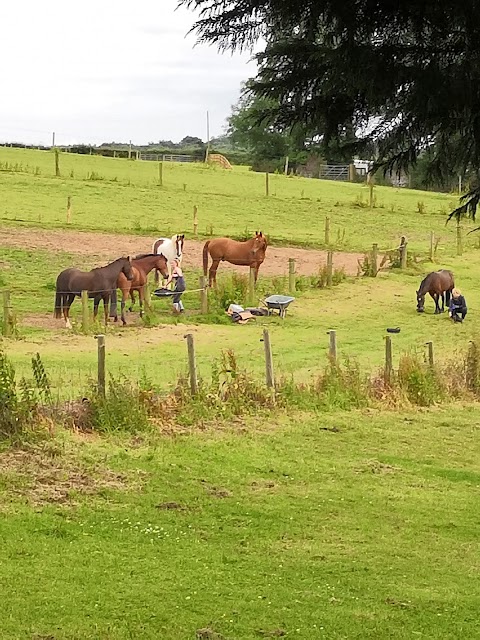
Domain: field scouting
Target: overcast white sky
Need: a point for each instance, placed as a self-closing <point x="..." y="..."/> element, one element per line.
<point x="102" y="70"/>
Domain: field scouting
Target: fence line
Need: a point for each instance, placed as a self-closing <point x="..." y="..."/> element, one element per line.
<point x="167" y="157"/>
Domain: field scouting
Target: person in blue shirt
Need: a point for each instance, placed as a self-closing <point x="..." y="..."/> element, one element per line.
<point x="458" y="307"/>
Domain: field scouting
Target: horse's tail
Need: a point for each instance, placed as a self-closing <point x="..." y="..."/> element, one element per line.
<point x="58" y="304"/>
<point x="205" y="257"/>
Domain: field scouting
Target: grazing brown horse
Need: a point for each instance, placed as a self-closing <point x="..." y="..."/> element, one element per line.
<point x="98" y="282"/>
<point x="250" y="253"/>
<point x="438" y="284"/>
<point x="141" y="267"/>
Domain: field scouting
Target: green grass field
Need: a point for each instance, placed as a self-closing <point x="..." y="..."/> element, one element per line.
<point x="124" y="197"/>
<point x="231" y="202"/>
<point x="368" y="531"/>
<point x="310" y="525"/>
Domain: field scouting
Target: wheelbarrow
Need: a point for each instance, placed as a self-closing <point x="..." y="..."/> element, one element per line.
<point x="278" y="303"/>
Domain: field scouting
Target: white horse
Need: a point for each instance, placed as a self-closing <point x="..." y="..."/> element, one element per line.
<point x="171" y="249"/>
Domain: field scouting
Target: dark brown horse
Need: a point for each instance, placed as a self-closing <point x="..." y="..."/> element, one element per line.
<point x="98" y="282"/>
<point x="438" y="284"/>
<point x="141" y="267"/>
<point x="250" y="253"/>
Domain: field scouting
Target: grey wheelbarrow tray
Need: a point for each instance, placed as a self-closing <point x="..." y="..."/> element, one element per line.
<point x="278" y="303"/>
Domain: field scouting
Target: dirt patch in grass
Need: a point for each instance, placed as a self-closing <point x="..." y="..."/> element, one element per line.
<point x="105" y="246"/>
<point x="47" y="475"/>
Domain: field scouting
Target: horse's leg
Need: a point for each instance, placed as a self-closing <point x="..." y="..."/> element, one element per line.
<point x="106" y="304"/>
<point x="96" y="302"/>
<point x="443" y="301"/>
<point x="132" y="299"/>
<point x="435" y="297"/>
<point x="212" y="274"/>
<point x="67" y="302"/>
<point x="124" y="300"/>
<point x="141" y="297"/>
<point x="257" y="267"/>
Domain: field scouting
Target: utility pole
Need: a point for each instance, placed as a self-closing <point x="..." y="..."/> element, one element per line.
<point x="208" y="138"/>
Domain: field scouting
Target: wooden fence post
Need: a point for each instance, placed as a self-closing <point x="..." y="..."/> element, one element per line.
<point x="85" y="314"/>
<point x="57" y="163"/>
<point x="431" y="362"/>
<point x="432" y="246"/>
<point x="101" y="364"/>
<point x="332" y="346"/>
<point x="371" y="186"/>
<point x="286" y="166"/>
<point x="147" y="297"/>
<point x="160" y="174"/>
<point x="195" y="220"/>
<point x="69" y="209"/>
<point x="7" y="328"/>
<point x="388" y="359"/>
<point x="459" y="239"/>
<point x="374" y="259"/>
<point x="403" y="253"/>
<point x="251" y="286"/>
<point x="269" y="376"/>
<point x="291" y="275"/>
<point x="327" y="231"/>
<point x="351" y="172"/>
<point x="192" y="366"/>
<point x="329" y="268"/>
<point x="202" y="283"/>
<point x="267" y="186"/>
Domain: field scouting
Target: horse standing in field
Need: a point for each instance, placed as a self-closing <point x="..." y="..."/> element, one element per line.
<point x="98" y="282"/>
<point x="171" y="249"/>
<point x="141" y="267"/>
<point x="439" y="285"/>
<point x="250" y="253"/>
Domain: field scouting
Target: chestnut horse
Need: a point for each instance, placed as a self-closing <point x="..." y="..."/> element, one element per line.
<point x="250" y="253"/>
<point x="141" y="267"/>
<point x="98" y="282"/>
<point x="438" y="284"/>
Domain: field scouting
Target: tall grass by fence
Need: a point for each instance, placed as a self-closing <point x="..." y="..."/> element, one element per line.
<point x="121" y="404"/>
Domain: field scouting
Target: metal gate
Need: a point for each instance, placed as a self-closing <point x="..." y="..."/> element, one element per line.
<point x="334" y="172"/>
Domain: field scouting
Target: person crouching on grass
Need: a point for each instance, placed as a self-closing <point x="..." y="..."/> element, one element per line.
<point x="177" y="276"/>
<point x="458" y="307"/>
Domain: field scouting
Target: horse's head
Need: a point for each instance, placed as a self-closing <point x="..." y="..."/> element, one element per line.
<point x="259" y="242"/>
<point x="127" y="268"/>
<point x="420" y="302"/>
<point x="178" y="240"/>
<point x="161" y="265"/>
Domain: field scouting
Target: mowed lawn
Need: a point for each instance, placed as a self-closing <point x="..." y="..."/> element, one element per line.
<point x="350" y="525"/>
<point x="123" y="196"/>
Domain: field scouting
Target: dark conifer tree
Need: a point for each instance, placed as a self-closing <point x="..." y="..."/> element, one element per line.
<point x="403" y="74"/>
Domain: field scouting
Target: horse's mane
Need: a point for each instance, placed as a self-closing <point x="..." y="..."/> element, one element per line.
<point x="107" y="265"/>
<point x="148" y="255"/>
